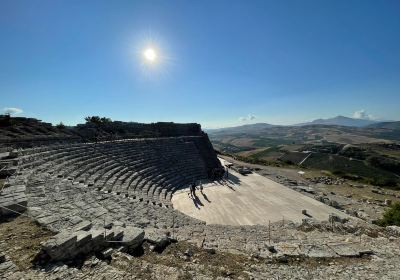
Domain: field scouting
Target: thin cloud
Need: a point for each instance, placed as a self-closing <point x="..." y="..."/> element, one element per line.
<point x="362" y="114"/>
<point x="12" y="110"/>
<point x="249" y="117"/>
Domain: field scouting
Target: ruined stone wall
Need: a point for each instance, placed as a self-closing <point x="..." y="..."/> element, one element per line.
<point x="207" y="152"/>
<point x="27" y="132"/>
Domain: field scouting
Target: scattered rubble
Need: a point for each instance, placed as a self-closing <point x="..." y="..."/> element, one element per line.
<point x="7" y="267"/>
<point x="328" y="180"/>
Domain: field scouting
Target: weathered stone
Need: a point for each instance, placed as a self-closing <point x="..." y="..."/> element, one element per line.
<point x="159" y="238"/>
<point x="60" y="246"/>
<point x="318" y="251"/>
<point x="393" y="230"/>
<point x="106" y="254"/>
<point x="84" y="225"/>
<point x="344" y="250"/>
<point x="333" y="218"/>
<point x="13" y="200"/>
<point x="287" y="249"/>
<point x="133" y="237"/>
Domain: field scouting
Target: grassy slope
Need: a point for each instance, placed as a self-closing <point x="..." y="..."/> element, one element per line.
<point x="344" y="166"/>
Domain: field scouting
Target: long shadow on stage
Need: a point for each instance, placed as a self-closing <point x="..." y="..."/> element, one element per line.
<point x="233" y="179"/>
<point x="231" y="182"/>
<point x="205" y="197"/>
<point x="196" y="201"/>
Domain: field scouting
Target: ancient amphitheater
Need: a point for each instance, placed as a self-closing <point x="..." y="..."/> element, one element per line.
<point x="103" y="196"/>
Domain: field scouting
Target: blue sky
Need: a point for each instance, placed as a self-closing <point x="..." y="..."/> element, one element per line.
<point x="220" y="63"/>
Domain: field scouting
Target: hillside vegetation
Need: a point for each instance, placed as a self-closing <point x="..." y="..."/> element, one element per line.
<point x="369" y="154"/>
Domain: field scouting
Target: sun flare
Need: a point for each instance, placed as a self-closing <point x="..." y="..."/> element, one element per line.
<point x="150" y="55"/>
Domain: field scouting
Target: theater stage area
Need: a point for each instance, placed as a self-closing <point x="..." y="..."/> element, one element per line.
<point x="249" y="200"/>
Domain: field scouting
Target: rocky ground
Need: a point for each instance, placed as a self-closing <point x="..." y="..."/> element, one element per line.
<point x="20" y="241"/>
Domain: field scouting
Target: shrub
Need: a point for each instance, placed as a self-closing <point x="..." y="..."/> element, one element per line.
<point x="385" y="163"/>
<point x="384" y="182"/>
<point x="391" y="216"/>
<point x="60" y="125"/>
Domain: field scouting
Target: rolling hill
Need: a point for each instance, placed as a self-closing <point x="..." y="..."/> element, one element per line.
<point x="340" y="120"/>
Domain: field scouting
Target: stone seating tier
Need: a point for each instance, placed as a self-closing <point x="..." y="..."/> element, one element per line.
<point x="143" y="173"/>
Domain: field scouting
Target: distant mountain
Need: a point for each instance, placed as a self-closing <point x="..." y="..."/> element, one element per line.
<point x="260" y="128"/>
<point x="340" y="120"/>
<point x="247" y="128"/>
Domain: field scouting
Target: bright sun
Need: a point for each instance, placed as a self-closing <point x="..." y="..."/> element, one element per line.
<point x="150" y="55"/>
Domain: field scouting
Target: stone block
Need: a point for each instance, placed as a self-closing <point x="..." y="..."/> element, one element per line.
<point x="344" y="250"/>
<point x="106" y="254"/>
<point x="318" y="251"/>
<point x="333" y="218"/>
<point x="82" y="238"/>
<point x="287" y="249"/>
<point x="60" y="246"/>
<point x="83" y="225"/>
<point x="133" y="237"/>
<point x="118" y="233"/>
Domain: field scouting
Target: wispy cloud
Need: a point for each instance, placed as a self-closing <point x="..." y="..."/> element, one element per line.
<point x="362" y="114"/>
<point x="249" y="117"/>
<point x="12" y="110"/>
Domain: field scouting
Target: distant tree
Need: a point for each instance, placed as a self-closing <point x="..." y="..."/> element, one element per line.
<point x="105" y="120"/>
<point x="93" y="119"/>
<point x="97" y="120"/>
<point x="60" y="125"/>
<point x="391" y="216"/>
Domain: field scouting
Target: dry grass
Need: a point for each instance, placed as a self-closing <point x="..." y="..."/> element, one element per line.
<point x="242" y="142"/>
<point x="251" y="152"/>
<point x="347" y="138"/>
<point x="360" y="193"/>
<point x="20" y="239"/>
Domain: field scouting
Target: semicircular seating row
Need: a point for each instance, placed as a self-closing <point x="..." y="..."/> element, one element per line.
<point x="148" y="170"/>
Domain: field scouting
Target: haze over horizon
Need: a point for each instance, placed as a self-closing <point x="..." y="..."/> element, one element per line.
<point x="220" y="64"/>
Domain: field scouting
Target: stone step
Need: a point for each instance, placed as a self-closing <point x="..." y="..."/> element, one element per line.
<point x="67" y="245"/>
